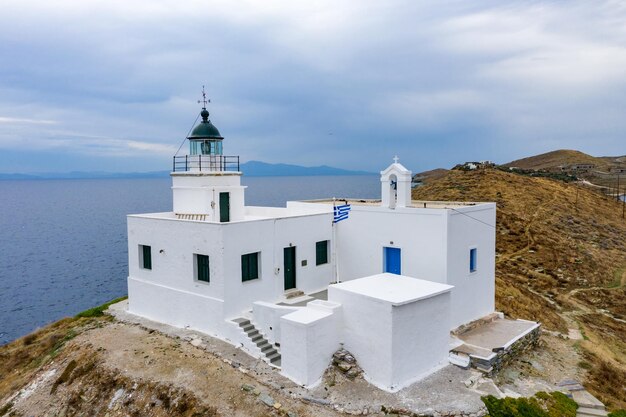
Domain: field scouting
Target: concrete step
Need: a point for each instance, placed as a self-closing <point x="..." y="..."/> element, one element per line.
<point x="590" y="412"/>
<point x="293" y="293"/>
<point x="267" y="348"/>
<point x="252" y="333"/>
<point x="585" y="400"/>
<point x="241" y="321"/>
<point x="248" y="327"/>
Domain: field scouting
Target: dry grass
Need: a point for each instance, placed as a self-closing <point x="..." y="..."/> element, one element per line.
<point x="559" y="158"/>
<point x="20" y="359"/>
<point x="559" y="250"/>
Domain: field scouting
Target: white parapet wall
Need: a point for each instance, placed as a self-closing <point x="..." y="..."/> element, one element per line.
<point x="267" y="318"/>
<point x="396" y="327"/>
<point x="175" y="307"/>
<point x="309" y="336"/>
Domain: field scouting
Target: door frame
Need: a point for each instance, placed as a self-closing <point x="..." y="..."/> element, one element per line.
<point x="225" y="217"/>
<point x="385" y="269"/>
<point x="294" y="263"/>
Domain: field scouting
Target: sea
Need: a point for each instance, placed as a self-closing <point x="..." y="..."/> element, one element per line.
<point x="63" y="243"/>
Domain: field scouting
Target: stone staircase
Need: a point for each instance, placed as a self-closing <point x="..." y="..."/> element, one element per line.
<point x="588" y="405"/>
<point x="270" y="352"/>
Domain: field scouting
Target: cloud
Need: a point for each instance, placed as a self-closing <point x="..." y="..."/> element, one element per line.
<point x="436" y="82"/>
<point x="17" y="120"/>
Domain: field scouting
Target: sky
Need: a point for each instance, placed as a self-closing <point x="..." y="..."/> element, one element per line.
<point x="114" y="85"/>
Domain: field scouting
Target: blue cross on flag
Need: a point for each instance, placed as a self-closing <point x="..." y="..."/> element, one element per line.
<point x="340" y="212"/>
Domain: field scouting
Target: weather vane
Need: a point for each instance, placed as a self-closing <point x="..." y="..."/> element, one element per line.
<point x="204" y="100"/>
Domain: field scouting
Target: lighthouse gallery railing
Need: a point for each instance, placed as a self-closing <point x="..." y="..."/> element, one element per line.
<point x="205" y="163"/>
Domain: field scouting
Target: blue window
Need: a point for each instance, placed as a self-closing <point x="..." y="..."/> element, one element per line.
<point x="473" y="253"/>
<point x="392" y="260"/>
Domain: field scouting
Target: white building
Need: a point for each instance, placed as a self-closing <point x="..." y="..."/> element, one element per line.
<point x="291" y="286"/>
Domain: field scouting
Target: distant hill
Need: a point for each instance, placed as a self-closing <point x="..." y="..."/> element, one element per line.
<point x="603" y="171"/>
<point x="250" y="168"/>
<point x="258" y="168"/>
<point x="566" y="157"/>
<point x="83" y="175"/>
<point x="427" y="176"/>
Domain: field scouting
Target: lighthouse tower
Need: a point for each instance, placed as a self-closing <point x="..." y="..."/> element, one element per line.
<point x="206" y="184"/>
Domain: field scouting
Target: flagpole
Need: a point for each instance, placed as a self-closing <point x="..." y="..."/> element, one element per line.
<point x="334" y="226"/>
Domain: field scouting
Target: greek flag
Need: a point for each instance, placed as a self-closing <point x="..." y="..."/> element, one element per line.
<point x="340" y="212"/>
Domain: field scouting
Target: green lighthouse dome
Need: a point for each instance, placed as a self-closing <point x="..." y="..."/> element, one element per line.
<point x="205" y="129"/>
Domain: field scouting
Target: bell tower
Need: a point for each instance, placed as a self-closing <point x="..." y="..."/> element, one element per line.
<point x="206" y="184"/>
<point x="395" y="185"/>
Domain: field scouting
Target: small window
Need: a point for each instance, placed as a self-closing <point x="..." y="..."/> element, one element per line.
<point x="145" y="256"/>
<point x="202" y="268"/>
<point x="250" y="266"/>
<point x="321" y="252"/>
<point x="473" y="253"/>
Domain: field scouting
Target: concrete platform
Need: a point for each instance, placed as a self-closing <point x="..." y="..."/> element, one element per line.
<point x="498" y="334"/>
<point x="490" y="341"/>
<point x="302" y="301"/>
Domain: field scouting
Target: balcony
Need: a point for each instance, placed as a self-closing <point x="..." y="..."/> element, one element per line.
<point x="205" y="163"/>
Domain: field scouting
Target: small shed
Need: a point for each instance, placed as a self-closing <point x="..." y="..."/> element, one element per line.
<point x="397" y="327"/>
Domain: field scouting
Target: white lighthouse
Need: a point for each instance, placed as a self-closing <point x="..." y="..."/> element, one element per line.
<point x="265" y="279"/>
<point x="206" y="184"/>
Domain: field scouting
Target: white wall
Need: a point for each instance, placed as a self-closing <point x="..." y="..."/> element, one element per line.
<point x="270" y="237"/>
<point x="421" y="334"/>
<point x="195" y="193"/>
<point x="367" y="334"/>
<point x="169" y="292"/>
<point x="310" y="338"/>
<point x="267" y="319"/>
<point x="473" y="295"/>
<point x="175" y="307"/>
<point x="394" y="343"/>
<point x="173" y="244"/>
<point x="419" y="233"/>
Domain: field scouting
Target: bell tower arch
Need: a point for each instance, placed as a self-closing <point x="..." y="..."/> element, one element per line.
<point x="395" y="181"/>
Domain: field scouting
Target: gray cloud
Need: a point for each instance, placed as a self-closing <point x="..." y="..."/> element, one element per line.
<point x="347" y="84"/>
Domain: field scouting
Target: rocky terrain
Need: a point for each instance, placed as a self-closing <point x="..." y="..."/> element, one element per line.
<point x="561" y="260"/>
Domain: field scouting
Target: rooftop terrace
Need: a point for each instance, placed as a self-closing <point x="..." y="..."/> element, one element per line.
<point x="414" y="203"/>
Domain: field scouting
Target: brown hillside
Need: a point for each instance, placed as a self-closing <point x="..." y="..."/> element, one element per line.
<point x="561" y="157"/>
<point x="561" y="260"/>
<point x="428" y="176"/>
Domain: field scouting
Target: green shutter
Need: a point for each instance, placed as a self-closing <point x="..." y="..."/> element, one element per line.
<point x="202" y="266"/>
<point x="147" y="256"/>
<point x="249" y="266"/>
<point x="224" y="207"/>
<point x="321" y="252"/>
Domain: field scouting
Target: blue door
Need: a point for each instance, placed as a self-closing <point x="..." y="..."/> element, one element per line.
<point x="391" y="261"/>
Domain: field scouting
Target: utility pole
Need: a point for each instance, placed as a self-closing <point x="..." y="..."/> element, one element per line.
<point x="618" y="199"/>
<point x="623" y="202"/>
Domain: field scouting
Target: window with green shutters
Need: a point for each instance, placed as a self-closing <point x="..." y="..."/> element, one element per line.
<point x="145" y="252"/>
<point x="321" y="252"/>
<point x="202" y="268"/>
<point x="250" y="266"/>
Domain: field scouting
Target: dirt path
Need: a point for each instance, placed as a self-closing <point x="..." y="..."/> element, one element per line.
<point x="529" y="236"/>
